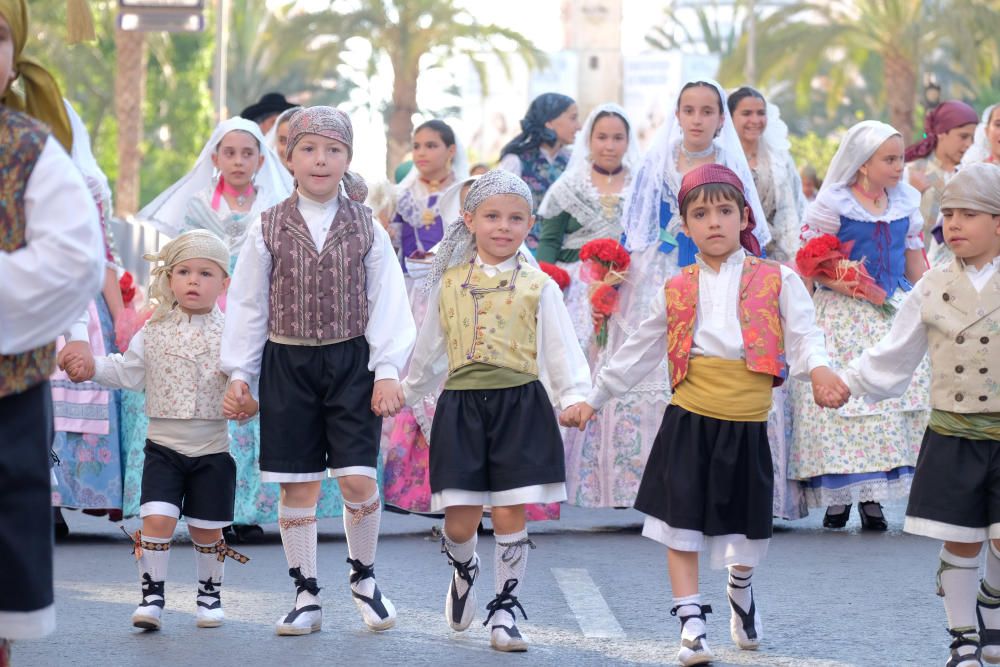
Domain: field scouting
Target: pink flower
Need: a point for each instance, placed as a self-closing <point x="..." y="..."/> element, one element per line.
<point x="104" y="455"/>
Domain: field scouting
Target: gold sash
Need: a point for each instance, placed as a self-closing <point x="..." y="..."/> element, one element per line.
<point x="724" y="389"/>
<point x="974" y="426"/>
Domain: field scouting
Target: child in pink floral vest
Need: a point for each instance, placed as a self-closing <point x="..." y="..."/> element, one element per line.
<point x="725" y="324"/>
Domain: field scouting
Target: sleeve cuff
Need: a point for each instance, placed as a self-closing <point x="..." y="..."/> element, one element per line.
<point x="100" y="370"/>
<point x="241" y="376"/>
<point x="571" y="399"/>
<point x="598" y="397"/>
<point x="817" y="359"/>
<point x="386" y="372"/>
<point x="78" y="333"/>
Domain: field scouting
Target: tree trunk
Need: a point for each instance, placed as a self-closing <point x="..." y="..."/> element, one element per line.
<point x="130" y="93"/>
<point x="900" y="75"/>
<point x="404" y="105"/>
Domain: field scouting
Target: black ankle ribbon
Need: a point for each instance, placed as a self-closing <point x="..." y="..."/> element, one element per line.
<point x="504" y="601"/>
<point x="302" y="583"/>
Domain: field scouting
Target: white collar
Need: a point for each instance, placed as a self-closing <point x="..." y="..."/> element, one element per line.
<point x="508" y="264"/>
<point x="735" y="259"/>
<point x="993" y="264"/>
<point x="319" y="207"/>
<point x="195" y="320"/>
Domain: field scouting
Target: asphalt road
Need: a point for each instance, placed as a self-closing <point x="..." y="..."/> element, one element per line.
<point x="596" y="594"/>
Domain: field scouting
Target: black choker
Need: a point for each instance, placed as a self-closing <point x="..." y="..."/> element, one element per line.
<point x="604" y="172"/>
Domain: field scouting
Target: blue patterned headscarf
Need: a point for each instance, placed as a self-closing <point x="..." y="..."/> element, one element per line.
<point x="545" y="107"/>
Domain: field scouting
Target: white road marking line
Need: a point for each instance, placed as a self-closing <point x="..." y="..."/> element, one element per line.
<point x="587" y="604"/>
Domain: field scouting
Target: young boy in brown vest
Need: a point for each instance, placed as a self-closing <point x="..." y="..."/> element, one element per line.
<point x="318" y="311"/>
<point x="51" y="265"/>
<point x="953" y="314"/>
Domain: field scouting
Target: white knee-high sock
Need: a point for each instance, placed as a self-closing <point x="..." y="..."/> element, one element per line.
<point x="958" y="583"/>
<point x="210" y="572"/>
<point x="298" y="537"/>
<point x="153" y="564"/>
<point x="461" y="552"/>
<point x="510" y="564"/>
<point x="361" y="525"/>
<point x="989" y="596"/>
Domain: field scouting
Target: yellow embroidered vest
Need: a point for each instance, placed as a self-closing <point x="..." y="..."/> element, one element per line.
<point x="24" y="139"/>
<point x="963" y="340"/>
<point x="491" y="320"/>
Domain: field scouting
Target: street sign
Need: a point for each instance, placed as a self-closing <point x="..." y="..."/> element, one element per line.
<point x="161" y="15"/>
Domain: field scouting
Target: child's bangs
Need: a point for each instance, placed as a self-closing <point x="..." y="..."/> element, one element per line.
<point x="713" y="193"/>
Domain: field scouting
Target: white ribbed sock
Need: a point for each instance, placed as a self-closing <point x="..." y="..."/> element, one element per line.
<point x="361" y="525"/>
<point x="210" y="572"/>
<point x="461" y="552"/>
<point x="510" y="562"/>
<point x="958" y="583"/>
<point x="690" y="605"/>
<point x="155" y="562"/>
<point x="298" y="537"/>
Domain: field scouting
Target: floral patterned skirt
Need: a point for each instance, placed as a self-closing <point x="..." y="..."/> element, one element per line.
<point x="861" y="452"/>
<point x="89" y="475"/>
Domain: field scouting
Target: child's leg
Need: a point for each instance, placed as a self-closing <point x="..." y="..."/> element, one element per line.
<point x="988" y="607"/>
<point x="297" y="524"/>
<point x="153" y="556"/>
<point x="461" y="523"/>
<point x="744" y="622"/>
<point x="683" y="569"/>
<point x="510" y="561"/>
<point x="211" y="571"/>
<point x="362" y="518"/>
<point x="958" y="582"/>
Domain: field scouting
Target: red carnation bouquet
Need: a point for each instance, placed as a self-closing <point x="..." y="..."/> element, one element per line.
<point x="605" y="263"/>
<point x="828" y="257"/>
<point x="557" y="274"/>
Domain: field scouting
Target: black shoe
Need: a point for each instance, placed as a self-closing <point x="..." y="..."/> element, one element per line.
<point x="836" y="520"/>
<point x="59" y="526"/>
<point x="872" y="517"/>
<point x="240" y="534"/>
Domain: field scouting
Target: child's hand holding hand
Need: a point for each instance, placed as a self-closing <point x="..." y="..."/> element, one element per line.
<point x="577" y="415"/>
<point x="829" y="391"/>
<point x="238" y="404"/>
<point x="77" y="360"/>
<point x="387" y="398"/>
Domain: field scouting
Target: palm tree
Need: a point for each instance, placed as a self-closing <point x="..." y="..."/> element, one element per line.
<point x="797" y="41"/>
<point x="408" y="32"/>
<point x="265" y="55"/>
<point x="717" y="37"/>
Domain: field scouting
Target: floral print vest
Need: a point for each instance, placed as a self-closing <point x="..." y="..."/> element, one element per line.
<point x="24" y="139"/>
<point x="759" y="314"/>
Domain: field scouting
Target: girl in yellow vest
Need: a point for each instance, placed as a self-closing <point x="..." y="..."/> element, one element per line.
<point x="504" y="339"/>
<point x="953" y="314"/>
<point x="724" y="324"/>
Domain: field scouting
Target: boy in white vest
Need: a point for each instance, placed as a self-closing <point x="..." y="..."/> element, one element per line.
<point x="187" y="468"/>
<point x="953" y="314"/>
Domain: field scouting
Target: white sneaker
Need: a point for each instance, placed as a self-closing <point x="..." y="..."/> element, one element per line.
<point x="744" y="626"/>
<point x="302" y="621"/>
<point x="210" y="617"/>
<point x="460" y="610"/>
<point x="377" y="611"/>
<point x="150" y="611"/>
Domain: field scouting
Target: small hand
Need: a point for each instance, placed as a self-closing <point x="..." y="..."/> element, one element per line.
<point x="387" y="398"/>
<point x="237" y="402"/>
<point x="578" y="414"/>
<point x="919" y="180"/>
<point x="77" y="360"/>
<point x="829" y="391"/>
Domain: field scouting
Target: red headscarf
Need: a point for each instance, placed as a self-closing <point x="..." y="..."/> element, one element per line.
<point x="717" y="173"/>
<point x="943" y="118"/>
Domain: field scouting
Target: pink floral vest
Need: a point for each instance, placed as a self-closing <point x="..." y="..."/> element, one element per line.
<point x="760" y="319"/>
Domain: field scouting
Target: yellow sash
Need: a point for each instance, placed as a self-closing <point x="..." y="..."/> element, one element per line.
<point x="724" y="389"/>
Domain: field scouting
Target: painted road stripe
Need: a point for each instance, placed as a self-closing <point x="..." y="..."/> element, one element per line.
<point x="587" y="603"/>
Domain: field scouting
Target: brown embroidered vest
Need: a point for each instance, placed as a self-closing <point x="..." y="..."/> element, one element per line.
<point x="318" y="293"/>
<point x="20" y="148"/>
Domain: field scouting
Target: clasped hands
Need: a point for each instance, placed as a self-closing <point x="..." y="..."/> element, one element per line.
<point x="77" y="360"/>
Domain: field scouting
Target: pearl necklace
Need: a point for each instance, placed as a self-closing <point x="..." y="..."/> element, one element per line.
<point x="691" y="156"/>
